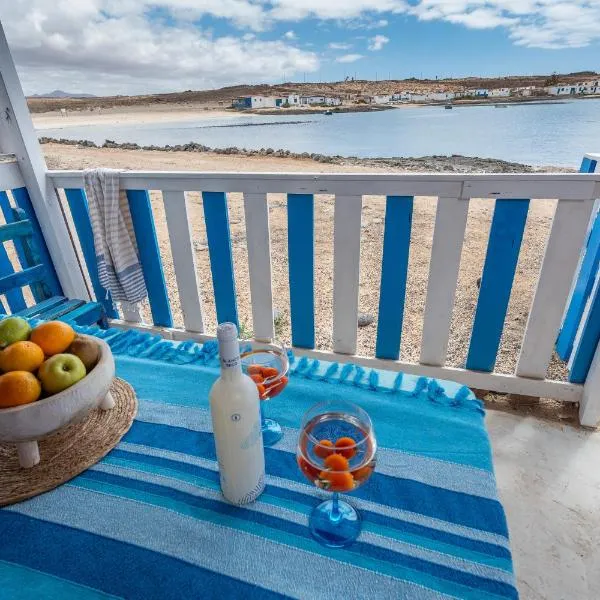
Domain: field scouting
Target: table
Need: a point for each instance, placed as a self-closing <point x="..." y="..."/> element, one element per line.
<point x="149" y="521"/>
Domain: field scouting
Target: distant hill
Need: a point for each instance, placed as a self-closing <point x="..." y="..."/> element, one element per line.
<point x="345" y="89"/>
<point x="61" y="94"/>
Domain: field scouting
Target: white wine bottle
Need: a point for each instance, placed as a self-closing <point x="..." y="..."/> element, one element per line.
<point x="235" y="410"/>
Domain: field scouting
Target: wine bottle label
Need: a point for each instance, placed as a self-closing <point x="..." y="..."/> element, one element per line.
<point x="230" y="362"/>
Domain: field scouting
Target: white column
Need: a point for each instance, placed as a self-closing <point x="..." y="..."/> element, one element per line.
<point x="18" y="137"/>
<point x="589" y="407"/>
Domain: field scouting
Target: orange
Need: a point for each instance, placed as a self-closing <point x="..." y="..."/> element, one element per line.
<point x="337" y="462"/>
<point x="18" y="387"/>
<point x="363" y="473"/>
<point x="269" y="372"/>
<point x="278" y="386"/>
<point x="322" y="450"/>
<point x="338" y="481"/>
<point x="309" y="471"/>
<point x="53" y="337"/>
<point x="21" y="356"/>
<point x="346" y="446"/>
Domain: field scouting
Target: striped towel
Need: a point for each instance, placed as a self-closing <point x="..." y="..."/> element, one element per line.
<point x="119" y="268"/>
<point x="149" y="522"/>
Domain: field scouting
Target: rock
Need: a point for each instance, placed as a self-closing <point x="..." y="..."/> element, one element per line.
<point x="365" y="319"/>
<point x="199" y="246"/>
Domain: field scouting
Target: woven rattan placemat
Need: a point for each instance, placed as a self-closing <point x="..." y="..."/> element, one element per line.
<point x="69" y="452"/>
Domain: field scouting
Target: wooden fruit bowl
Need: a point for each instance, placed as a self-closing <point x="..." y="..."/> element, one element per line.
<point x="26" y="424"/>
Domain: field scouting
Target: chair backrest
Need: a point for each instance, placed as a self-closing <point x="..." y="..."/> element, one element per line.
<point x="33" y="272"/>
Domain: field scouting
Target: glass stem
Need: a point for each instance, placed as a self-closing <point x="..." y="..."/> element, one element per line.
<point x="335" y="507"/>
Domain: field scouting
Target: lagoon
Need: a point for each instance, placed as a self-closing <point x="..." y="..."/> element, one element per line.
<point x="541" y="134"/>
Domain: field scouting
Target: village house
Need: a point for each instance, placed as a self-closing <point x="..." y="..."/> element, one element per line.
<point x="247" y="102"/>
<point x="499" y="93"/>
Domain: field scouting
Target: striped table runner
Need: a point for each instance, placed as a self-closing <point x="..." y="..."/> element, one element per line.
<point x="149" y="521"/>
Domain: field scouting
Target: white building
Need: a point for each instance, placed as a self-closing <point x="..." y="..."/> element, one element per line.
<point x="312" y="100"/>
<point x="333" y="101"/>
<point x="499" y="93"/>
<point x="588" y="87"/>
<point x="293" y="99"/>
<point x="561" y="90"/>
<point x="439" y="96"/>
<point x="246" y="102"/>
<point x="382" y="99"/>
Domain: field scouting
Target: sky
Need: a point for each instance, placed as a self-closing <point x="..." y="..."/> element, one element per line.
<point x="110" y="47"/>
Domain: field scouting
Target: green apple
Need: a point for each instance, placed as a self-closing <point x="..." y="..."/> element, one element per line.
<point x="13" y="329"/>
<point x="60" y="372"/>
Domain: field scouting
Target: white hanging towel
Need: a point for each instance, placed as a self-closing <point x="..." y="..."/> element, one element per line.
<point x="119" y="268"/>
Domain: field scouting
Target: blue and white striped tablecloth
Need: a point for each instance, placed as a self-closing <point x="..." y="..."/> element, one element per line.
<point x="149" y="522"/>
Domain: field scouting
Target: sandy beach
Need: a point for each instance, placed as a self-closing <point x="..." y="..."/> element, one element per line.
<point x="479" y="220"/>
<point x="133" y="115"/>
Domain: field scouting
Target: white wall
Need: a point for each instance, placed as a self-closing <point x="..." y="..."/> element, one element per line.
<point x="263" y="102"/>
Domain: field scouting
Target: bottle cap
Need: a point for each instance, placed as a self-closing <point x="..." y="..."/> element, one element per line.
<point x="227" y="332"/>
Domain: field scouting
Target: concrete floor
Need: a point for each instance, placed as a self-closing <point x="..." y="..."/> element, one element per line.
<point x="549" y="480"/>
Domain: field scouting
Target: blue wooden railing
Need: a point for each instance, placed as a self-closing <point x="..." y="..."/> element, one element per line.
<point x="14" y="297"/>
<point x="576" y="318"/>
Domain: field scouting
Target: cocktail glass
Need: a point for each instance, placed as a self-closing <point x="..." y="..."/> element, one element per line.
<point x="337" y="452"/>
<point x="268" y="366"/>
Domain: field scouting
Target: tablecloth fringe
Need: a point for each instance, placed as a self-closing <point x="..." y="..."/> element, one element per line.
<point x="146" y="345"/>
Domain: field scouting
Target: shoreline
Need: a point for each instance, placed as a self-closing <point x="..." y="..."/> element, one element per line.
<point x="145" y="114"/>
<point x="434" y="164"/>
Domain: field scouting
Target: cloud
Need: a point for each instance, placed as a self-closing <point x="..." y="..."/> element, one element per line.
<point x="136" y="46"/>
<point x="112" y="47"/>
<point x="531" y="23"/>
<point x="378" y="42"/>
<point x="340" y="46"/>
<point x="349" y="58"/>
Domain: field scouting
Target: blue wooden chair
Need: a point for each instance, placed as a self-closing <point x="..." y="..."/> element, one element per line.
<point x="35" y="275"/>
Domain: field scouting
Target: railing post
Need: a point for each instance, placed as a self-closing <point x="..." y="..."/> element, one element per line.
<point x="589" y="407"/>
<point x="18" y="137"/>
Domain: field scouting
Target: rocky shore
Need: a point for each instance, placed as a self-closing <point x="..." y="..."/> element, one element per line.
<point x="443" y="164"/>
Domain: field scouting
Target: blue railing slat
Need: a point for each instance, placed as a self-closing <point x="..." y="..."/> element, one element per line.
<point x="81" y="218"/>
<point x="588" y="342"/>
<point x="394" y="270"/>
<point x="9" y="217"/>
<point x="585" y="281"/>
<point x="14" y="297"/>
<point x="145" y="234"/>
<point x="301" y="252"/>
<point x="87" y="314"/>
<point x="25" y="277"/>
<point x="501" y="259"/>
<point x="61" y="309"/>
<point x="50" y="278"/>
<point x="15" y="230"/>
<point x="221" y="259"/>
<point x="38" y="309"/>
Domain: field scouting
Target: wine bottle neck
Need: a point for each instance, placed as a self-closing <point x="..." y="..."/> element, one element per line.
<point x="229" y="355"/>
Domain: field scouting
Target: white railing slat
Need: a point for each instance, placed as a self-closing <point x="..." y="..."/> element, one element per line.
<point x="560" y="259"/>
<point x="256" y="210"/>
<point x="450" y="223"/>
<point x="346" y="256"/>
<point x="10" y="175"/>
<point x="131" y="313"/>
<point x="184" y="260"/>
